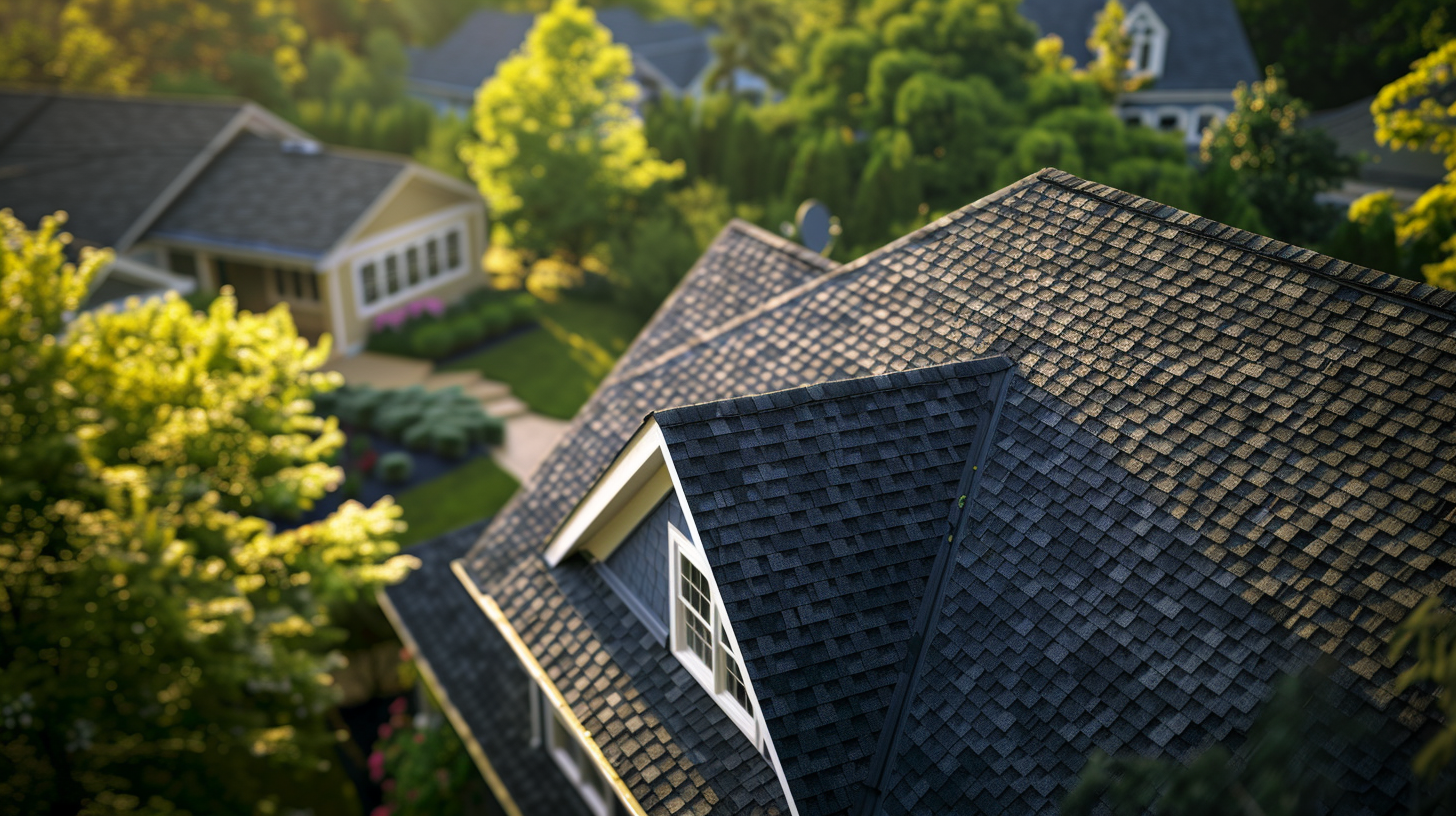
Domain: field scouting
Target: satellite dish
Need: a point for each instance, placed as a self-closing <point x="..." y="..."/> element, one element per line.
<point x="817" y="226"/>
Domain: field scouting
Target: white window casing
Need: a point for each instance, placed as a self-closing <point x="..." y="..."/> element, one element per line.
<point x="570" y="756"/>
<point x="401" y="272"/>
<point x="1148" y="36"/>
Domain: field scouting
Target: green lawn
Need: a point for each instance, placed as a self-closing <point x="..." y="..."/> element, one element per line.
<point x="555" y="368"/>
<point x="469" y="493"/>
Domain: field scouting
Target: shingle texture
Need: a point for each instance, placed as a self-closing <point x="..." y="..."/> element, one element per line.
<point x="460" y="645"/>
<point x="471" y="53"/>
<point x="1275" y="444"/>
<point x="1207" y="48"/>
<point x="820" y="510"/>
<point x="640" y="561"/>
<point x="256" y="196"/>
<point x="103" y="160"/>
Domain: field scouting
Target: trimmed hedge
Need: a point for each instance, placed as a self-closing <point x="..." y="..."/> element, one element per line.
<point x="396" y="467"/>
<point x="446" y="422"/>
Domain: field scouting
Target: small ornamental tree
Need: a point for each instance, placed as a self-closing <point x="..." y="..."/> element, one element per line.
<point x="560" y="154"/>
<point x="162" y="649"/>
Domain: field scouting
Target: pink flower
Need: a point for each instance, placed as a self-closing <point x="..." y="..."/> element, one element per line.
<point x="399" y="706"/>
<point x="382" y="810"/>
<point x="385" y="731"/>
<point x="376" y="766"/>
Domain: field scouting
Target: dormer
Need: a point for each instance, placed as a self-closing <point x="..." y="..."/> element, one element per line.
<point x="1148" y="40"/>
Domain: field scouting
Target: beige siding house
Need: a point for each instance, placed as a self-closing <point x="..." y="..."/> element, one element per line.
<point x="202" y="194"/>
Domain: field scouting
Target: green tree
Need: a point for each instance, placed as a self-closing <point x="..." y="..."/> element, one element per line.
<point x="162" y="648"/>
<point x="1111" y="48"/>
<point x="560" y="154"/>
<point x="750" y="35"/>
<point x="1338" y="51"/>
<point x="1280" y="165"/>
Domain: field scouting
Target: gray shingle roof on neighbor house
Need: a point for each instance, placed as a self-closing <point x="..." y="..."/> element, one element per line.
<point x="1353" y="129"/>
<point x="255" y="195"/>
<point x="1218" y="456"/>
<point x="1207" y="47"/>
<point x="104" y="160"/>
<point x="465" y="59"/>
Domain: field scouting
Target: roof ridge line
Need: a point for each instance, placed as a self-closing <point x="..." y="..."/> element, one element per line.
<point x="863" y="384"/>
<point x="778" y="242"/>
<point x="1415" y="294"/>
<point x="882" y="764"/>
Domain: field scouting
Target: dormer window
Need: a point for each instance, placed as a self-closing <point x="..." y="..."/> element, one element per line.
<point x="700" y="636"/>
<point x="1148" y="37"/>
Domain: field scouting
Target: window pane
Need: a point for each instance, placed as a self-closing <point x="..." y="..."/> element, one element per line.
<point x="452" y="249"/>
<point x="298" y="284"/>
<point x="391" y="274"/>
<point x="412" y="262"/>
<point x="313" y="287"/>
<point x="698" y="639"/>
<point x="280" y="282"/>
<point x="432" y="257"/>
<point x="371" y="283"/>
<point x="183" y="263"/>
<point x="733" y="673"/>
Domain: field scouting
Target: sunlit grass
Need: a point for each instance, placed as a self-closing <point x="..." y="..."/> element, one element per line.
<point x="471" y="492"/>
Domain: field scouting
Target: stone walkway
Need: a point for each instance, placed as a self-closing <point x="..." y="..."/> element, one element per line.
<point x="528" y="437"/>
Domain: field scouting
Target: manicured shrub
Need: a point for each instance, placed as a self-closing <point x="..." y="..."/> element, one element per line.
<point x="433" y="340"/>
<point x="353" y="485"/>
<point x="325" y="402"/>
<point x="496" y="318"/>
<point x="360" y="445"/>
<point x="418" y="437"/>
<point x="397" y="341"/>
<point x="393" y="419"/>
<point x="396" y="467"/>
<point x="357" y="407"/>
<point x="451" y="441"/>
<point x="467" y="330"/>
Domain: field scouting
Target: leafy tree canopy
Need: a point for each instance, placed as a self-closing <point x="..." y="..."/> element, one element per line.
<point x="560" y="152"/>
<point x="162" y="648"/>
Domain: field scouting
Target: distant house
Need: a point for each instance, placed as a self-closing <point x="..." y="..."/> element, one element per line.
<point x="206" y="193"/>
<point x="1195" y="52"/>
<point x="1065" y="470"/>
<point x="669" y="56"/>
<point x="1406" y="173"/>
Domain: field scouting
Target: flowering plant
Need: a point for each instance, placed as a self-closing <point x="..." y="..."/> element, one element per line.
<point x="421" y="766"/>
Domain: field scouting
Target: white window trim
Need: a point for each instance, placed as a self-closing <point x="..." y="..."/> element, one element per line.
<point x="712" y="678"/>
<point x="1158" y="39"/>
<point x="552" y="728"/>
<point x="420" y="243"/>
<point x="1179" y="114"/>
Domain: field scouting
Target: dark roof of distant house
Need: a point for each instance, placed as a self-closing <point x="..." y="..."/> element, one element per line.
<point x="257" y="195"/>
<point x="1207" y="47"/>
<point x="104" y="160"/>
<point x="446" y="629"/>
<point x="471" y="53"/>
<point x="1218" y="456"/>
<point x="1353" y="129"/>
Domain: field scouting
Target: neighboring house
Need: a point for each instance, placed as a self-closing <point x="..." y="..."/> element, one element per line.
<point x="1065" y="470"/>
<point x="1195" y="52"/>
<point x="668" y="56"/>
<point x="1406" y="173"/>
<point x="207" y="193"/>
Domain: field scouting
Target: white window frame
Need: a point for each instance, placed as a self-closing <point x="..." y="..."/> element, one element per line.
<point x="1145" y="27"/>
<point x="550" y="731"/>
<point x="400" y="250"/>
<point x="713" y="678"/>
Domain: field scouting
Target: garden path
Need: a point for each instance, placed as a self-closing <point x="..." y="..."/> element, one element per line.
<point x="528" y="436"/>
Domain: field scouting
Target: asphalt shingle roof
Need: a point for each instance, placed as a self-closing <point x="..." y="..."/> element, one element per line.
<point x="255" y="195"/>
<point x="1261" y="429"/>
<point x="820" y="509"/>
<point x="471" y="53"/>
<point x="1207" y="47"/>
<point x="448" y="630"/>
<point x="104" y="160"/>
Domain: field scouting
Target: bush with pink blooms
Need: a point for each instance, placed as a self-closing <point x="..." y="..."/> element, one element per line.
<point x="427" y="329"/>
<point x="422" y="767"/>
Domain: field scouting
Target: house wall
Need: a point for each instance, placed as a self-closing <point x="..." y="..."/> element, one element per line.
<point x="640" y="561"/>
<point x="416" y="198"/>
<point x="352" y="317"/>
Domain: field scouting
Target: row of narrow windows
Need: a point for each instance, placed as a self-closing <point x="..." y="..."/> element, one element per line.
<point x="407" y="269"/>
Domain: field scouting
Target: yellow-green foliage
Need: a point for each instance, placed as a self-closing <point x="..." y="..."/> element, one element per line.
<point x="559" y="150"/>
<point x="1417" y="112"/>
<point x="1428" y="634"/>
<point x="165" y="646"/>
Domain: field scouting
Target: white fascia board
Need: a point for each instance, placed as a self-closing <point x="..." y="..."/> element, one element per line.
<point x="728" y="628"/>
<point x="634" y="469"/>
<point x="1155" y="97"/>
